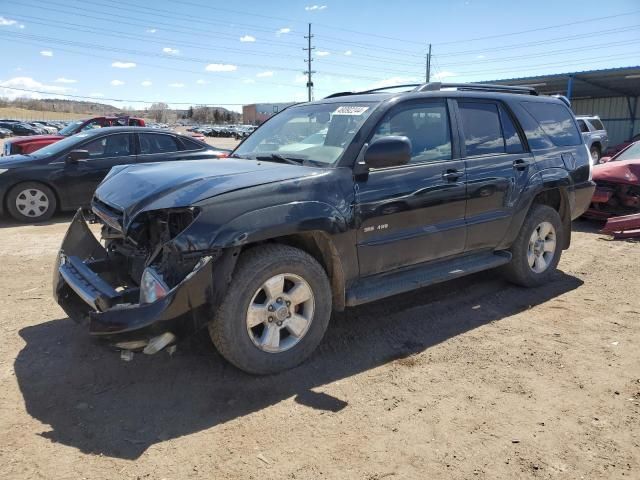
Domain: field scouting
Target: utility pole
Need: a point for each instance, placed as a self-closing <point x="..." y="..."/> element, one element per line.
<point x="428" y="73"/>
<point x="308" y="61"/>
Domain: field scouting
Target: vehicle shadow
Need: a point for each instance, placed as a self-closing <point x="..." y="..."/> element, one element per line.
<point x="587" y="225"/>
<point x="60" y="217"/>
<point x="97" y="403"/>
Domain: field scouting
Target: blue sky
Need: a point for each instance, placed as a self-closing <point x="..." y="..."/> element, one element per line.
<point x="234" y="53"/>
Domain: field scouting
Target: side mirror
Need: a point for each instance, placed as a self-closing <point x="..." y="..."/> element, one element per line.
<point x="75" y="156"/>
<point x="390" y="151"/>
<point x="604" y="159"/>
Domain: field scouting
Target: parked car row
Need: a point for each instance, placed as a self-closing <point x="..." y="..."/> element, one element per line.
<point x="235" y="131"/>
<point x="33" y="142"/>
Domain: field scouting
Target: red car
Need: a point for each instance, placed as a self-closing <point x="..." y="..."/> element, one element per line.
<point x="618" y="184"/>
<point x="26" y="145"/>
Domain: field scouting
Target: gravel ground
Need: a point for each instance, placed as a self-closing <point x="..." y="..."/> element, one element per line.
<point x="474" y="378"/>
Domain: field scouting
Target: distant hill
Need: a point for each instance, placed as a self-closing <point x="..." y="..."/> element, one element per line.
<point x="62" y="106"/>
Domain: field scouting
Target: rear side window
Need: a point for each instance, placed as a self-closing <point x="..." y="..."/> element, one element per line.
<point x="556" y="121"/>
<point x="156" y="143"/>
<point x="582" y="125"/>
<point x="190" y="144"/>
<point x="597" y="124"/>
<point x="512" y="140"/>
<point x="481" y="125"/>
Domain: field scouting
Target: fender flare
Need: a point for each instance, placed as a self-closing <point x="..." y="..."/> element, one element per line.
<point x="540" y="182"/>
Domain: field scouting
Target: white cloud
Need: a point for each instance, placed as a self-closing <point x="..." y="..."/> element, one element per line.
<point x="264" y="74"/>
<point x="201" y="81"/>
<point x="151" y="30"/>
<point x="7" y="22"/>
<point x="117" y="83"/>
<point x="28" y="83"/>
<point x="248" y="80"/>
<point x="221" y="67"/>
<point x="146" y="83"/>
<point x="96" y="95"/>
<point x="312" y="8"/>
<point x="247" y="38"/>
<point x="46" y="53"/>
<point x="300" y="78"/>
<point x="21" y="26"/>
<point x="123" y="64"/>
<point x="323" y="53"/>
<point x="176" y="85"/>
<point x="480" y="57"/>
<point x="65" y="80"/>
<point x="442" y="75"/>
<point x="170" y="51"/>
<point x="348" y="53"/>
<point x="283" y="31"/>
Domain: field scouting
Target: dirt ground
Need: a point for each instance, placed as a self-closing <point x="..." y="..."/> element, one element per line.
<point x="474" y="378"/>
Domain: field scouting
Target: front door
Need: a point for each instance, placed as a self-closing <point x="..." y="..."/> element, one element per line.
<point x="498" y="167"/>
<point x="413" y="213"/>
<point x="78" y="181"/>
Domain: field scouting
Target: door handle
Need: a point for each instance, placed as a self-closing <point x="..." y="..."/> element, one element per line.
<point x="451" y="174"/>
<point x="521" y="163"/>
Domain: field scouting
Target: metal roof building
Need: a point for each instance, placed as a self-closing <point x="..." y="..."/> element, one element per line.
<point x="613" y="94"/>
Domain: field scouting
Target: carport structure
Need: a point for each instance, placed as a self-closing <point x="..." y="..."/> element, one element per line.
<point x="612" y="94"/>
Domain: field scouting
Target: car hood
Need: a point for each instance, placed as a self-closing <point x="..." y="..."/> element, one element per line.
<point x="35" y="138"/>
<point x="625" y="171"/>
<point x="136" y="188"/>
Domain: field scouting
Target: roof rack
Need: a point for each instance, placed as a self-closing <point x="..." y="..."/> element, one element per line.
<point x="479" y="87"/>
<point x="374" y="90"/>
<point x="436" y="86"/>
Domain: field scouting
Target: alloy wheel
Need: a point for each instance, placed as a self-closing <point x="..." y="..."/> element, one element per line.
<point x="542" y="247"/>
<point x="32" y="202"/>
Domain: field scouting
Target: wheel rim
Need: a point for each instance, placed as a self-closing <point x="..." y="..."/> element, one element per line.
<point x="32" y="203"/>
<point x="280" y="313"/>
<point x="542" y="247"/>
<point x="595" y="154"/>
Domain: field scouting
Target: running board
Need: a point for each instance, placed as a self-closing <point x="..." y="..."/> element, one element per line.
<point x="385" y="285"/>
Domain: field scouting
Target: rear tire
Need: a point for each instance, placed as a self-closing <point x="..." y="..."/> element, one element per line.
<point x="31" y="202"/>
<point x="537" y="248"/>
<point x="275" y="312"/>
<point x="596" y="155"/>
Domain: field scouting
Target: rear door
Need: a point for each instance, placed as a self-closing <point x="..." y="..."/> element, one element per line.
<point x="413" y="213"/>
<point x="78" y="181"/>
<point x="497" y="166"/>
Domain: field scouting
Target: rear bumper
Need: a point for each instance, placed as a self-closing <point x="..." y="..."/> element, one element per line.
<point x="582" y="194"/>
<point x="85" y="285"/>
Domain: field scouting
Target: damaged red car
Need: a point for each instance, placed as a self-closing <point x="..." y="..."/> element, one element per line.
<point x="618" y="185"/>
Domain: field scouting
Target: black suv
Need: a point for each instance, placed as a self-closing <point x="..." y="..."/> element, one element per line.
<point x="329" y="204"/>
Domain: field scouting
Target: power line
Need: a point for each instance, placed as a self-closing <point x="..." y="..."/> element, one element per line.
<point x="124" y="100"/>
<point x="577" y="22"/>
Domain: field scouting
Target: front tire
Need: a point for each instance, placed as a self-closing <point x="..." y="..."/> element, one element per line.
<point x="537" y="248"/>
<point x="595" y="154"/>
<point x="31" y="202"/>
<point x="276" y="310"/>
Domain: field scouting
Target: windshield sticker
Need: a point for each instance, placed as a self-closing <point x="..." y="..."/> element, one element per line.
<point x="350" y="110"/>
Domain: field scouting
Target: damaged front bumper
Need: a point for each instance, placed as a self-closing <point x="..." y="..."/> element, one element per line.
<point x="87" y="287"/>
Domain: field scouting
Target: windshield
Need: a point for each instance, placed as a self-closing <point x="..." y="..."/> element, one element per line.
<point x="68" y="130"/>
<point x="60" y="146"/>
<point x="317" y="133"/>
<point x="631" y="153"/>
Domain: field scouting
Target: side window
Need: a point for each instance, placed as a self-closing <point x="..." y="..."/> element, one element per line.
<point x="597" y="124"/>
<point x="190" y="144"/>
<point x="583" y="126"/>
<point x="426" y="125"/>
<point x="91" y="125"/>
<point x="157" y="143"/>
<point x="556" y="121"/>
<point x="481" y="126"/>
<point x="111" y="146"/>
<point x="513" y="142"/>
